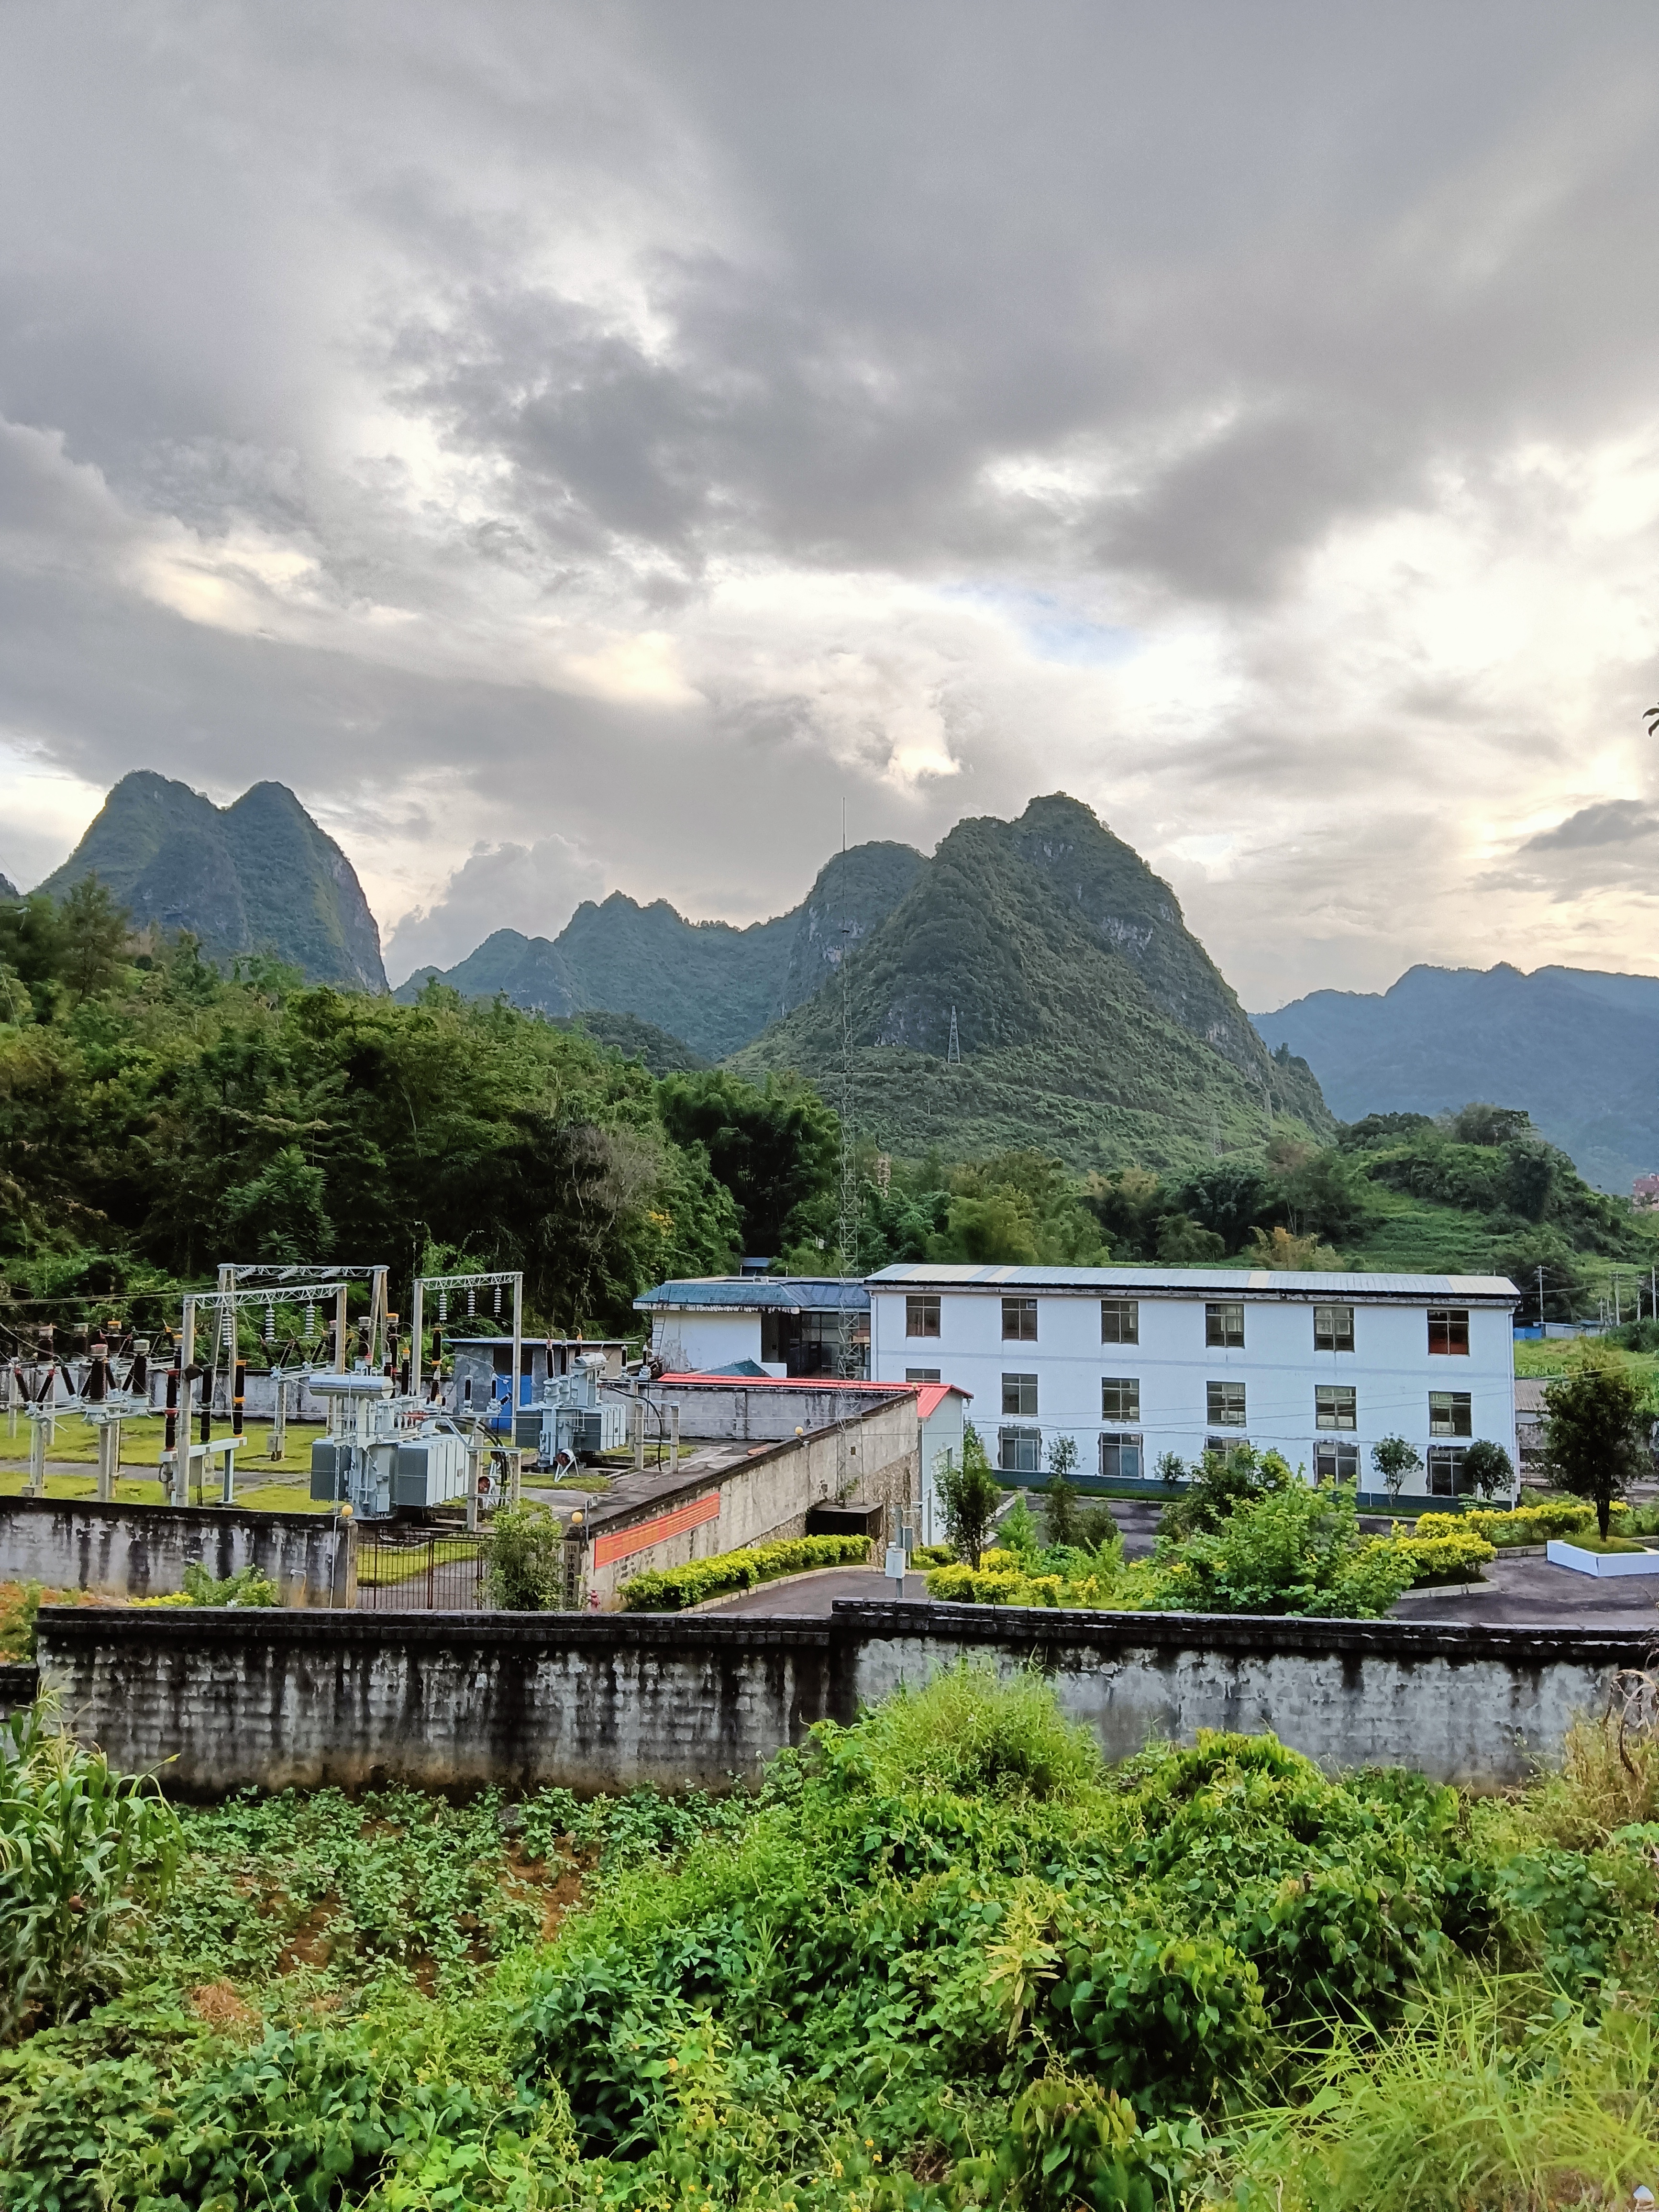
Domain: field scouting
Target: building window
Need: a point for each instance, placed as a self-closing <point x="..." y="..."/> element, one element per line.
<point x="1449" y="1328"/>
<point x="1224" y="1447"/>
<point x="1120" y="1398"/>
<point x="921" y="1316"/>
<point x="1019" y="1395"/>
<point x="1224" y="1326"/>
<point x="1120" y="1321"/>
<point x="807" y="1344"/>
<point x="1332" y="1329"/>
<point x="1335" y="1462"/>
<point x="1019" y="1321"/>
<point x="1018" y="1451"/>
<point x="1224" y="1405"/>
<point x="1446" y="1476"/>
<point x="1122" y="1458"/>
<point x="922" y="1375"/>
<point x="1334" y="1406"/>
<point x="1450" y="1413"/>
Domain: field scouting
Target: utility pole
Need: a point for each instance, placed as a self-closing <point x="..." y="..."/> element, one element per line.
<point x="1540" y="1299"/>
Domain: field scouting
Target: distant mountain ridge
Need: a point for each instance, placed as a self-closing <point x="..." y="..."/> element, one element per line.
<point x="1090" y="1020"/>
<point x="257" y="876"/>
<point x="7" y="889"/>
<point x="711" y="983"/>
<point x="1578" y="1048"/>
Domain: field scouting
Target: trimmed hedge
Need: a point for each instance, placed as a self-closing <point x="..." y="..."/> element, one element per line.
<point x="1455" y="1554"/>
<point x="1527" y="1524"/>
<point x="671" y="1589"/>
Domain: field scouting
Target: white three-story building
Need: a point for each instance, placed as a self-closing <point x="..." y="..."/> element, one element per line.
<point x="1133" y="1363"/>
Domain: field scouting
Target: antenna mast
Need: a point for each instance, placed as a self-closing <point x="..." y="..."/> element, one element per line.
<point x="953" y="1050"/>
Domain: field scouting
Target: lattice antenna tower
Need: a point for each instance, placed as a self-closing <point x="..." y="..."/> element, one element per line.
<point x="848" y="1227"/>
<point x="953" y="1050"/>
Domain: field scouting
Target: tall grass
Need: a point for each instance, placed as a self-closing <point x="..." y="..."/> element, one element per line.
<point x="1495" y="2097"/>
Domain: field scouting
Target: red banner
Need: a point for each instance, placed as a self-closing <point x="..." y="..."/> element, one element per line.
<point x="644" y="1534"/>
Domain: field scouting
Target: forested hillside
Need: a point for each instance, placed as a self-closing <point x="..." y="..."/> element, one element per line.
<point x="256" y="877"/>
<point x="1579" y="1049"/>
<point x="1091" y="1021"/>
<point x="709" y="982"/>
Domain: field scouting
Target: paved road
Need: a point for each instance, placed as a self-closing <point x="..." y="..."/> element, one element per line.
<point x="812" y="1597"/>
<point x="1532" y="1592"/>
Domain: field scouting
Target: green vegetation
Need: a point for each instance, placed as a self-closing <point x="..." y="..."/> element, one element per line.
<point x="255" y="878"/>
<point x="1594" y="1434"/>
<point x="671" y="1589"/>
<point x="944" y="1958"/>
<point x="969" y="1497"/>
<point x="1526" y="1524"/>
<point x="155" y="1115"/>
<point x="1282" y="1545"/>
<point x="1090" y="1022"/>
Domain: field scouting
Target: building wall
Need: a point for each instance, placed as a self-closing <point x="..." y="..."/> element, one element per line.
<point x="690" y="1342"/>
<point x="941" y="1438"/>
<point x="1390" y="1369"/>
<point x="142" y="1551"/>
<point x="764" y="1412"/>
<point x="234" y="1700"/>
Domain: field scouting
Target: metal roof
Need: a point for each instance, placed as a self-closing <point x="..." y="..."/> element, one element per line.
<point x="1254" y="1282"/>
<point x="757" y="1294"/>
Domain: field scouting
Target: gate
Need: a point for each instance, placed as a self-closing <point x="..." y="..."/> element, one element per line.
<point x="402" y="1572"/>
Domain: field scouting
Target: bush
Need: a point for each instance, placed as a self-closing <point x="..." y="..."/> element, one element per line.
<point x="248" y="1587"/>
<point x="671" y="1589"/>
<point x="1456" y="1555"/>
<point x="526" y="1559"/>
<point x="1527" y="1524"/>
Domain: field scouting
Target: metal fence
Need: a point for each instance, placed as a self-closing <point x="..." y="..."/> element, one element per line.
<point x="401" y="1573"/>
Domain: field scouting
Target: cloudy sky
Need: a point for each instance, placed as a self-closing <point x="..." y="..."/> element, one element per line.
<point x="577" y="446"/>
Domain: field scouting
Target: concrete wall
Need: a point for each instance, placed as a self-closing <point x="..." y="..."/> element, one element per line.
<point x="766" y="1497"/>
<point x="453" y="1702"/>
<point x="1477" y="1706"/>
<point x="142" y="1551"/>
<point x="458" y="1700"/>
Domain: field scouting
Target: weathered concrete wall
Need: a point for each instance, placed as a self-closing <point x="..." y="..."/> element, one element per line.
<point x="607" y="1702"/>
<point x="1477" y="1706"/>
<point x="17" y="1688"/>
<point x="142" y="1551"/>
<point x="766" y="1499"/>
<point x="444" y="1701"/>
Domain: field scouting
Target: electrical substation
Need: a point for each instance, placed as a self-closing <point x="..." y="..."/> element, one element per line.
<point x="402" y="1435"/>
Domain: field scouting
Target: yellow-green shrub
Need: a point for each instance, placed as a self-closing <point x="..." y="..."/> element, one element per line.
<point x="1457" y="1553"/>
<point x="1526" y="1524"/>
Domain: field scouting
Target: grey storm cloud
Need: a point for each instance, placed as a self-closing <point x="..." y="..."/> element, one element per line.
<point x="1610" y="822"/>
<point x="577" y="447"/>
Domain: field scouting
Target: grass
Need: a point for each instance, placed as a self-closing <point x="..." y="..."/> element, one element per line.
<point x="75" y="1443"/>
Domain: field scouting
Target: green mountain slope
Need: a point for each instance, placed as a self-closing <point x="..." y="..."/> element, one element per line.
<point x="1578" y="1048"/>
<point x="257" y="876"/>
<point x="7" y="889"/>
<point x="654" y="1048"/>
<point x="713" y="984"/>
<point x="1091" y="1021"/>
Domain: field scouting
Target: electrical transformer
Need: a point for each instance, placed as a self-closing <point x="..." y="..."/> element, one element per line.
<point x="572" y="1419"/>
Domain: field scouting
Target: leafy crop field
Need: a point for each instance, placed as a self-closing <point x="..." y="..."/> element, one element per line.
<point x="943" y="1959"/>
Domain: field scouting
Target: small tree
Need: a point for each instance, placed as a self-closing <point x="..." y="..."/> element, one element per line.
<point x="969" y="1496"/>
<point x="1019" y="1531"/>
<point x="1059" y="1511"/>
<point x="1393" y="1459"/>
<point x="1596" y="1433"/>
<point x="1487" y="1470"/>
<point x="1060" y="1494"/>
